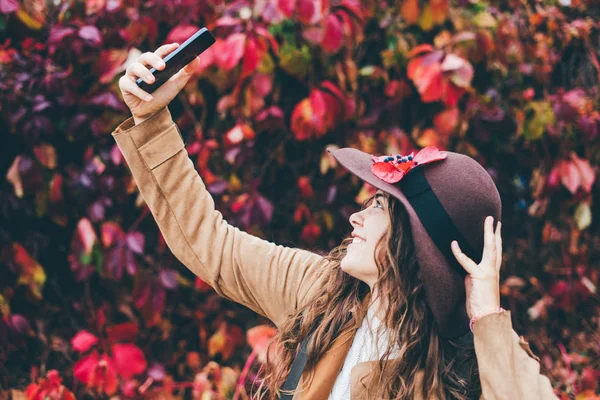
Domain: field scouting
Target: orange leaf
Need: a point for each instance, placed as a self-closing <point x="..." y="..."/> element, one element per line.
<point x="446" y="121"/>
<point x="410" y="11"/>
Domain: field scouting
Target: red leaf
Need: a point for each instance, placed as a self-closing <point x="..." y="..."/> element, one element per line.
<point x="305" y="187"/>
<point x="85" y="367"/>
<point x="258" y="338"/>
<point x="451" y="94"/>
<point x="426" y="74"/>
<point x="386" y="172"/>
<point x="309" y="11"/>
<point x="310" y="233"/>
<point x="231" y="51"/>
<point x="111" y="233"/>
<point x="333" y="38"/>
<point x="446" y="121"/>
<point x="429" y="154"/>
<point x="127" y="331"/>
<point x="129" y="360"/>
<point x="83" y="341"/>
<point x="251" y="58"/>
<point x="181" y="33"/>
<point x="109" y="63"/>
<point x="202" y="286"/>
<point x="422" y="48"/>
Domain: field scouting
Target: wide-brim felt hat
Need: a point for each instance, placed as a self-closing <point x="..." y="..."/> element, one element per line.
<point x="446" y="200"/>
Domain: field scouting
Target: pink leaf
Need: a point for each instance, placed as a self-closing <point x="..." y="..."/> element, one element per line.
<point x="135" y="242"/>
<point x="91" y="34"/>
<point x="168" y="278"/>
<point x="258" y="338"/>
<point x="586" y="172"/>
<point x="86" y="234"/>
<point x="83" y="341"/>
<point x="386" y="172"/>
<point x="333" y="38"/>
<point x="452" y="62"/>
<point x="181" y="33"/>
<point x="569" y="176"/>
<point x="129" y="360"/>
<point x="227" y="21"/>
<point x="286" y="7"/>
<point x="8" y="6"/>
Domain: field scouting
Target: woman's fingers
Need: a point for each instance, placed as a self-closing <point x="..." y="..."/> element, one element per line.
<point x="489" y="243"/>
<point x="498" y="246"/>
<point x="137" y="70"/>
<point x="128" y="85"/>
<point x="165" y="50"/>
<point x="464" y="260"/>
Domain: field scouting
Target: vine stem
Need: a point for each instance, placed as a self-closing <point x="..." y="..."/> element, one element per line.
<point x="243" y="375"/>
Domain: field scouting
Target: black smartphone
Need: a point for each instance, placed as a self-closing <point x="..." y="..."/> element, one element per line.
<point x="176" y="60"/>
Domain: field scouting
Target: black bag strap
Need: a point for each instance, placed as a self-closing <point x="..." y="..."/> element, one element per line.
<point x="291" y="382"/>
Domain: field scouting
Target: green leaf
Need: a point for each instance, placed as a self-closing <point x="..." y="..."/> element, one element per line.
<point x="539" y="116"/>
<point x="295" y="61"/>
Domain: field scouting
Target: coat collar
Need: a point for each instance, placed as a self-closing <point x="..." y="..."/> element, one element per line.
<point x="325" y="373"/>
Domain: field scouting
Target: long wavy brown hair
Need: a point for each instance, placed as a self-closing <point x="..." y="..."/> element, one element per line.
<point x="449" y="367"/>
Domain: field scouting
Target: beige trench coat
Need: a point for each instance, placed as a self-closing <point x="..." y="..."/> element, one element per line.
<point x="274" y="280"/>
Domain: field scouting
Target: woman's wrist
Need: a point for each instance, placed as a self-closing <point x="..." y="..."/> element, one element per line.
<point x="478" y="316"/>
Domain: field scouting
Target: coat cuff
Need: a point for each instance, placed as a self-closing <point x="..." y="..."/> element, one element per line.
<point x="157" y="139"/>
<point x="494" y="331"/>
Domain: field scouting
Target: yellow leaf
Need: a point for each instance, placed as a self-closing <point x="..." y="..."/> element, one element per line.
<point x="366" y="191"/>
<point x="426" y="19"/>
<point x="4" y="306"/>
<point x="14" y="177"/>
<point x="328" y="220"/>
<point x="485" y="20"/>
<point x="29" y="20"/>
<point x="31" y="272"/>
<point x="583" y="216"/>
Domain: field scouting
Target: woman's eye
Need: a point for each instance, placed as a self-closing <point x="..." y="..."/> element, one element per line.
<point x="377" y="202"/>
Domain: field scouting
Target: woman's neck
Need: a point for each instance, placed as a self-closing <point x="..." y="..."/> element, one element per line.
<point x="378" y="304"/>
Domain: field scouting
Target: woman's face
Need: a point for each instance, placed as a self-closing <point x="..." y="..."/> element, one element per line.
<point x="369" y="226"/>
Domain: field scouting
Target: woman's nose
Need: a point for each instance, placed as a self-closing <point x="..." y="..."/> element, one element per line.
<point x="356" y="219"/>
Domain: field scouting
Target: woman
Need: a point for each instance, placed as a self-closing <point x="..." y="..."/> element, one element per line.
<point x="386" y="316"/>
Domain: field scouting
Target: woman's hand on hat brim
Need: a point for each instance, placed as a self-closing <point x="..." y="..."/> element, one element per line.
<point x="482" y="283"/>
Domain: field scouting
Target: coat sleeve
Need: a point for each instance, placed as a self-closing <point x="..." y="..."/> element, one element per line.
<point x="271" y="279"/>
<point x="508" y="369"/>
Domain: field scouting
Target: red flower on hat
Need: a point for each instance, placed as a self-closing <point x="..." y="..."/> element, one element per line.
<point x="393" y="168"/>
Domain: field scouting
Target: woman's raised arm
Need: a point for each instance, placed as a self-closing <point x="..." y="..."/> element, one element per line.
<point x="270" y="279"/>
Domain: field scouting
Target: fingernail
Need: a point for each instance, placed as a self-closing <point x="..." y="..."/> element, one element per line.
<point x="148" y="97"/>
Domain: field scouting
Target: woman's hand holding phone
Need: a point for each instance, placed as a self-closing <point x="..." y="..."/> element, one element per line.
<point x="142" y="104"/>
